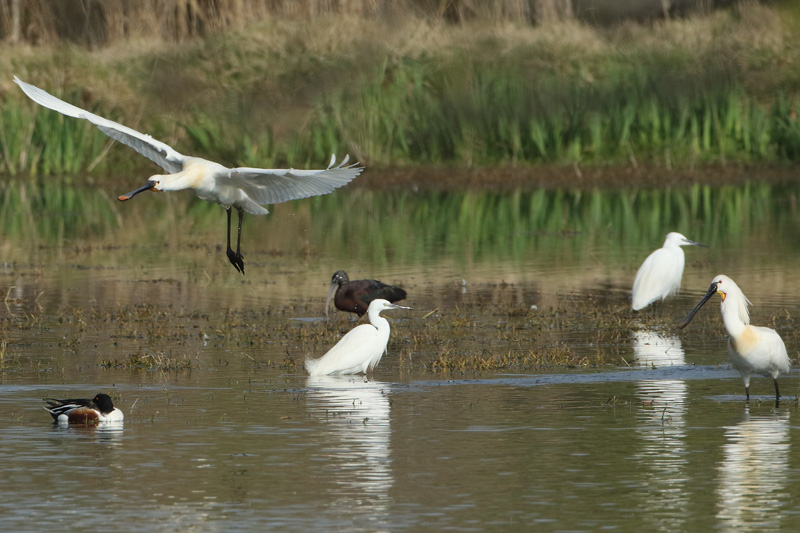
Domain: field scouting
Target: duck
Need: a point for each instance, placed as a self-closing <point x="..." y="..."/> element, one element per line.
<point x="99" y="409"/>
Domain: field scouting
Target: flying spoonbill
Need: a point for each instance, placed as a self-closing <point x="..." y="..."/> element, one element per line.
<point x="84" y="411"/>
<point x="244" y="189"/>
<point x="660" y="274"/>
<point x="361" y="349"/>
<point x="753" y="349"/>
<point x="355" y="296"/>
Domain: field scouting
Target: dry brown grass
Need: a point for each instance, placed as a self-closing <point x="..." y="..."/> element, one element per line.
<point x="102" y="22"/>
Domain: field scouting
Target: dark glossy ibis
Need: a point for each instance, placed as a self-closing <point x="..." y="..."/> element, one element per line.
<point x="355" y="296"/>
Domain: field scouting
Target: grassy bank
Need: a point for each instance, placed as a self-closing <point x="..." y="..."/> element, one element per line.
<point x="717" y="88"/>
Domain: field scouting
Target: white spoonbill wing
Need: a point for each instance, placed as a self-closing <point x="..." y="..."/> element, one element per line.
<point x="273" y="186"/>
<point x="159" y="153"/>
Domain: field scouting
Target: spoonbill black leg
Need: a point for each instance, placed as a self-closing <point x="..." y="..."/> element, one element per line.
<point x="235" y="258"/>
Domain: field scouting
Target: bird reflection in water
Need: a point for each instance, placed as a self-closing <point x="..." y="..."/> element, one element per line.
<point x="754" y="474"/>
<point x="354" y="416"/>
<point x="661" y="429"/>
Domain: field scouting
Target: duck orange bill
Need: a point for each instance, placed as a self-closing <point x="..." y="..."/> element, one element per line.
<point x="149" y="187"/>
<point x="711" y="292"/>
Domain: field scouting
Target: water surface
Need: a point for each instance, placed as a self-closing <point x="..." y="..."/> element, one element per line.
<point x="223" y="429"/>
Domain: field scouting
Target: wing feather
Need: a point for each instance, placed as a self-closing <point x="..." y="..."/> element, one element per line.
<point x="156" y="151"/>
<point x="273" y="186"/>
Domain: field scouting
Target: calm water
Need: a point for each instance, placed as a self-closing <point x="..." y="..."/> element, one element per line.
<point x="658" y="439"/>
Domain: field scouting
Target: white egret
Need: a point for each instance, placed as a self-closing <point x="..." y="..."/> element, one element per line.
<point x="245" y="189"/>
<point x="84" y="411"/>
<point x="355" y="296"/>
<point x="361" y="349"/>
<point x="660" y="274"/>
<point x="753" y="349"/>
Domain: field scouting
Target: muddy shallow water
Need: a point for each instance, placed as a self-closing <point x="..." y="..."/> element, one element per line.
<point x="521" y="390"/>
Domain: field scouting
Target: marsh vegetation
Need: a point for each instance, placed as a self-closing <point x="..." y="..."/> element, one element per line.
<point x="416" y="90"/>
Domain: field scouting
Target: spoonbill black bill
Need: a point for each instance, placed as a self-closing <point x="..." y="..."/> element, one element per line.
<point x="99" y="409"/>
<point x="242" y="188"/>
<point x="355" y="296"/>
<point x="752" y="349"/>
<point x="361" y="349"/>
<point x="660" y="274"/>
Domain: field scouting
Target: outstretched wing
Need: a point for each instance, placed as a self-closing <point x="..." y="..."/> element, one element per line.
<point x="154" y="150"/>
<point x="273" y="186"/>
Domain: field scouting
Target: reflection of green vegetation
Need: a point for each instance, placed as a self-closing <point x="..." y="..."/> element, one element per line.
<point x="412" y="226"/>
<point x="51" y="211"/>
<point x="409" y="227"/>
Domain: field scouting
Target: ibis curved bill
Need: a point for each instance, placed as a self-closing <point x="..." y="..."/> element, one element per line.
<point x="242" y="188"/>
<point x="361" y="349"/>
<point x="752" y="349"/>
<point x="355" y="296"/>
<point x="660" y="274"/>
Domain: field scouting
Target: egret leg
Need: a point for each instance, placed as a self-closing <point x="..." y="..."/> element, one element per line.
<point x="235" y="258"/>
<point x="747" y="393"/>
<point x="777" y="392"/>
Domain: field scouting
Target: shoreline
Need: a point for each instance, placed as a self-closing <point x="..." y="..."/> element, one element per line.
<point x="552" y="177"/>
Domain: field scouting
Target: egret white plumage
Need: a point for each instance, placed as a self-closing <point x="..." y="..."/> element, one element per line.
<point x="753" y="349"/>
<point x="660" y="274"/>
<point x="361" y="349"/>
<point x="243" y="188"/>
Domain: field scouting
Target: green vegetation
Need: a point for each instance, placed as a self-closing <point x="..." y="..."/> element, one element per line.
<point x="715" y="88"/>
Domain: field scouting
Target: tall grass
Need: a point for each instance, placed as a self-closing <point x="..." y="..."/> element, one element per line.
<point x="415" y="114"/>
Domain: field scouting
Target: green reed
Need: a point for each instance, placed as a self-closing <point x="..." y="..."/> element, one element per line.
<point x="455" y="110"/>
<point x="487" y="114"/>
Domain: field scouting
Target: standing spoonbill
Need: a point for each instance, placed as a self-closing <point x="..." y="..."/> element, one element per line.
<point x="361" y="349"/>
<point x="660" y="274"/>
<point x="753" y="349"/>
<point x="242" y="188"/>
<point x="84" y="411"/>
<point x="355" y="296"/>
